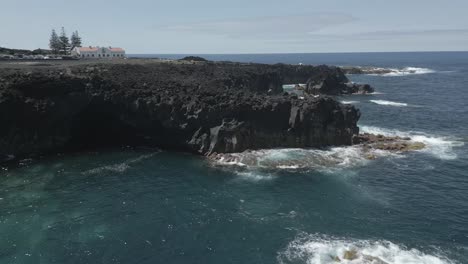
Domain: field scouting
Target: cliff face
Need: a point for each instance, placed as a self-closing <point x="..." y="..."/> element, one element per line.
<point x="200" y="108"/>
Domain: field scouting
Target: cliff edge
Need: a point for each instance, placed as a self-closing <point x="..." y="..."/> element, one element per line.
<point x="203" y="108"/>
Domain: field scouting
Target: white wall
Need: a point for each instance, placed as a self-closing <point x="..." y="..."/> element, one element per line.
<point x="101" y="53"/>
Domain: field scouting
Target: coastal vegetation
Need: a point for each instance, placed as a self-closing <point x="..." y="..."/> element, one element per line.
<point x="61" y="44"/>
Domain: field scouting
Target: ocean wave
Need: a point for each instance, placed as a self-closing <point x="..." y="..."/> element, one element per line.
<point x="397" y="72"/>
<point x="255" y="175"/>
<point x="118" y="167"/>
<point x="388" y="72"/>
<point x="389" y="103"/>
<point x="320" y="249"/>
<point x="292" y="86"/>
<point x="438" y="146"/>
<point x="349" y="102"/>
<point x="259" y="164"/>
<point x="325" y="160"/>
<point x="408" y="71"/>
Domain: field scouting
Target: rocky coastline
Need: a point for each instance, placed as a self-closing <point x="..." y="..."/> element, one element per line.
<point x="205" y="108"/>
<point x="366" y="70"/>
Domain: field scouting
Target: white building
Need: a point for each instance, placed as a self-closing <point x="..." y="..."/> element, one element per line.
<point x="98" y="52"/>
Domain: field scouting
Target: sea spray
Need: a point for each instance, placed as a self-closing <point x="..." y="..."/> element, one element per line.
<point x="388" y="103"/>
<point x="322" y="249"/>
<point x="441" y="147"/>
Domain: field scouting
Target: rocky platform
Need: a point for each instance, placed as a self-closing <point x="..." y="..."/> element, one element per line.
<point x="392" y="144"/>
<point x="199" y="107"/>
<point x="365" y="70"/>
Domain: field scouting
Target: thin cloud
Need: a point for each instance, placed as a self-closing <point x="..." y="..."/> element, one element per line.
<point x="372" y="35"/>
<point x="292" y="25"/>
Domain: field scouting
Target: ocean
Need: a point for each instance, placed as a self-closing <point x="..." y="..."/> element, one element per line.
<point x="132" y="205"/>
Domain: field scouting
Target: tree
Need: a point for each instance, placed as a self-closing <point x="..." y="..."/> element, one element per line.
<point x="64" y="42"/>
<point x="54" y="42"/>
<point x="75" y="40"/>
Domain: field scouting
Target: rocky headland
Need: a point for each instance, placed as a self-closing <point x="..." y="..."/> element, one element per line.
<point x="199" y="107"/>
<point x="366" y="70"/>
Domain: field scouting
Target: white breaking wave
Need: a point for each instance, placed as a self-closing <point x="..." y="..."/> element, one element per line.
<point x="292" y="86"/>
<point x="319" y="249"/>
<point x="255" y="175"/>
<point x="252" y="164"/>
<point x="327" y="160"/>
<point x="389" y="103"/>
<point x="394" y="72"/>
<point x="118" y="167"/>
<point x="438" y="146"/>
<point x="349" y="102"/>
<point x="408" y="71"/>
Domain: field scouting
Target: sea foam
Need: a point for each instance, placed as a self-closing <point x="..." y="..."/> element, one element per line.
<point x="257" y="165"/>
<point x="326" y="160"/>
<point x="388" y="103"/>
<point x="397" y="72"/>
<point x="438" y="146"/>
<point x="409" y="71"/>
<point x="118" y="167"/>
<point x="349" y="102"/>
<point x="320" y="249"/>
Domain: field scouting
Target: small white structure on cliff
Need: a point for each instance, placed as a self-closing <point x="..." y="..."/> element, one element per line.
<point x="98" y="52"/>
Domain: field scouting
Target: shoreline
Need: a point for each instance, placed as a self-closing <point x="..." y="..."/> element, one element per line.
<point x="198" y="107"/>
<point x="235" y="134"/>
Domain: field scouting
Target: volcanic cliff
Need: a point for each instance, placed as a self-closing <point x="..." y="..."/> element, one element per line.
<point x="202" y="107"/>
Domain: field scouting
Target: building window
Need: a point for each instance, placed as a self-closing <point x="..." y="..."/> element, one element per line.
<point x="93" y="55"/>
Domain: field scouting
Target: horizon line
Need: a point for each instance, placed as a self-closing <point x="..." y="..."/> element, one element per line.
<point x="273" y="53"/>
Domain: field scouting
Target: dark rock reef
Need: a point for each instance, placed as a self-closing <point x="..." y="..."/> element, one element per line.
<point x="201" y="108"/>
<point x="333" y="81"/>
<point x="193" y="58"/>
<point x="393" y="144"/>
<point x="368" y="70"/>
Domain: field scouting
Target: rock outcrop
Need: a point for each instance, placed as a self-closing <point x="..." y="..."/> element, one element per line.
<point x="333" y="81"/>
<point x="202" y="108"/>
<point x="366" y="70"/>
<point x="393" y="144"/>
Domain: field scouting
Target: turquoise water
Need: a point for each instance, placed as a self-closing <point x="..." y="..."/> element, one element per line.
<point x="277" y="206"/>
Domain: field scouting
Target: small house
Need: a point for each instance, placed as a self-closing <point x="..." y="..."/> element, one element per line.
<point x="98" y="52"/>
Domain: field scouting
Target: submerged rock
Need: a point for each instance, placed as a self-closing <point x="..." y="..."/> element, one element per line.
<point x="350" y="254"/>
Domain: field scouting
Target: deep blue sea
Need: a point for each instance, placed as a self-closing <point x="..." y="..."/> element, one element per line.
<point x="290" y="206"/>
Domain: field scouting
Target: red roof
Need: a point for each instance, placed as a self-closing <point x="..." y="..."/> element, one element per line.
<point x="88" y="49"/>
<point x="117" y="49"/>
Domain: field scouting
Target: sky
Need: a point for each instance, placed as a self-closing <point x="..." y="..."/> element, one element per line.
<point x="241" y="26"/>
